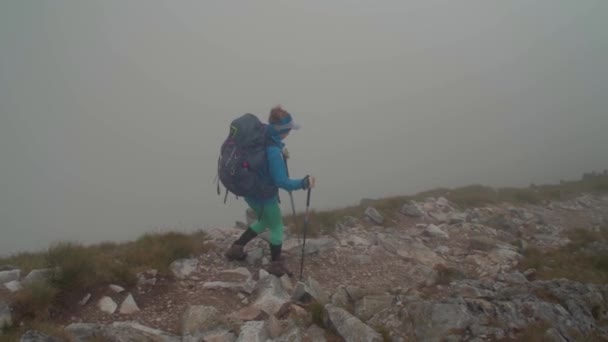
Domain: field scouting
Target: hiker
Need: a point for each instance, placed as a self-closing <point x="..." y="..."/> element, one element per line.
<point x="280" y="124"/>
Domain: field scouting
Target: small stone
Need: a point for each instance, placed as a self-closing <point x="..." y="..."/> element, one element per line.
<point x="85" y="299"/>
<point x="117" y="288"/>
<point x="106" y="304"/>
<point x="129" y="306"/>
<point x="13" y="286"/>
<point x="374" y="215"/>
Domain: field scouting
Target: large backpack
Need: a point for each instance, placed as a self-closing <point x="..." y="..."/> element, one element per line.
<point x="242" y="160"/>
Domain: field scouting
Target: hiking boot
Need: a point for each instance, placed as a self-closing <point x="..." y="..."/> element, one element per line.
<point x="235" y="252"/>
<point x="278" y="268"/>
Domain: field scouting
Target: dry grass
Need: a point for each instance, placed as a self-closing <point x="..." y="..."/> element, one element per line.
<point x="324" y="222"/>
<point x="79" y="268"/>
<point x="76" y="266"/>
<point x="14" y="333"/>
<point x="26" y="261"/>
<point x="159" y="250"/>
<point x="445" y="274"/>
<point x="534" y="332"/>
<point x="575" y="261"/>
<point x="34" y="301"/>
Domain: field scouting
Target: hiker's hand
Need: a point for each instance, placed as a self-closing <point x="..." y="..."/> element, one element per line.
<point x="285" y="153"/>
<point x="309" y="182"/>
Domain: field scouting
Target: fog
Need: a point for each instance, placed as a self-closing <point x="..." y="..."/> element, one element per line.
<point x="112" y="112"/>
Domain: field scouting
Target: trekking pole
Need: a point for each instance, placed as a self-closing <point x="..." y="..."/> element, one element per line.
<point x="293" y="206"/>
<point x="305" y="229"/>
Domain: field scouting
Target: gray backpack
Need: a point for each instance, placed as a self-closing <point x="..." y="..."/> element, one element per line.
<point x="242" y="160"/>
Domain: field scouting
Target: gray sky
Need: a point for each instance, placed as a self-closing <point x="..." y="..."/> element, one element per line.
<point x="112" y="112"/>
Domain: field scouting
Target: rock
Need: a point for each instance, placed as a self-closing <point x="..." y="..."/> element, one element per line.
<point x="439" y="216"/>
<point x="147" y="278"/>
<point x="502" y="256"/>
<point x="435" y="321"/>
<point x="250" y="313"/>
<point x="291" y="333"/>
<point x="316" y="334"/>
<point x="255" y="256"/>
<point x="129" y="306"/>
<point x="254" y="331"/>
<point x="237" y="274"/>
<point x="269" y="295"/>
<point x="363" y="259"/>
<point x="8" y="267"/>
<point x="455" y="218"/>
<point x="118" y="332"/>
<point x="274" y="327"/>
<point x="182" y="268"/>
<point x="387" y="242"/>
<point x="84" y="332"/>
<point x="411" y="210"/>
<point x="374" y="215"/>
<point x="36" y="336"/>
<point x="309" y="290"/>
<point x="434" y="231"/>
<point x="442" y="202"/>
<point x="13" y="286"/>
<point x="350" y="221"/>
<point x="10" y="275"/>
<point x="286" y="283"/>
<point x="419" y="252"/>
<point x="132" y="331"/>
<point x="106" y="304"/>
<point x="502" y="222"/>
<point x="263" y="273"/>
<point x="246" y="287"/>
<point x="237" y="224"/>
<point x="340" y="298"/>
<point x="6" y="318"/>
<point x="349" y="327"/>
<point x="313" y="246"/>
<point x="443" y="250"/>
<point x="421" y="274"/>
<point x="354" y="240"/>
<point x="371" y="305"/>
<point x="216" y="335"/>
<point x="116" y="288"/>
<point x="530" y="273"/>
<point x="199" y="320"/>
<point x="482" y="243"/>
<point x="37" y="275"/>
<point x="238" y="279"/>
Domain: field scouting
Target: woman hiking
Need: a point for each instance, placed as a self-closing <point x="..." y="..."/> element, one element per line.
<point x="280" y="124"/>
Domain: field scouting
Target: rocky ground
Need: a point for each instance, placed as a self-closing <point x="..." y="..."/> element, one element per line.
<point x="435" y="273"/>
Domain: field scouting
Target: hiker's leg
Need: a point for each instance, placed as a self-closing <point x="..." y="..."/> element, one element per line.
<point x="275" y="222"/>
<point x="261" y="223"/>
<point x="236" y="251"/>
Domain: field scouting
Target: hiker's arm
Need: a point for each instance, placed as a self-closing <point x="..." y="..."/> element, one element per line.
<point x="278" y="172"/>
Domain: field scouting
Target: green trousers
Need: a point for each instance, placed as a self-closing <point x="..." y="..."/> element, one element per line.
<point x="269" y="216"/>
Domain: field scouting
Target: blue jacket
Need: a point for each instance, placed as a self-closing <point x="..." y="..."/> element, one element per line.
<point x="277" y="171"/>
